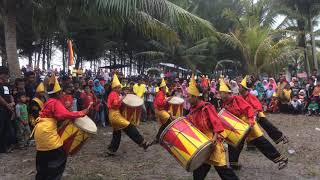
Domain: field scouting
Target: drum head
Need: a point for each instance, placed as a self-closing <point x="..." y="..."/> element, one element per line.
<point x="200" y="157"/>
<point x="86" y="124"/>
<point x="176" y="100"/>
<point x="133" y="100"/>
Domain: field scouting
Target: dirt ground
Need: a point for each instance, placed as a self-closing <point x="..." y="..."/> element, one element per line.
<point x="133" y="163"/>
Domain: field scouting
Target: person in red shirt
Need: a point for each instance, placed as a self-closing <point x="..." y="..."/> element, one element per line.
<point x="274" y="133"/>
<point x="51" y="159"/>
<point x="118" y="122"/>
<point x="241" y="109"/>
<point x="67" y="97"/>
<point x="203" y="116"/>
<point x="160" y="104"/>
<point x="87" y="98"/>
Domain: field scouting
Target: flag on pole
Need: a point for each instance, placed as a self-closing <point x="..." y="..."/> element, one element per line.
<point x="70" y="52"/>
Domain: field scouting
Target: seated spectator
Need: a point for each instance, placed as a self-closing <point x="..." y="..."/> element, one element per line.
<point x="302" y="99"/>
<point x="313" y="107"/>
<point x="274" y="104"/>
<point x="269" y="93"/>
<point x="296" y="105"/>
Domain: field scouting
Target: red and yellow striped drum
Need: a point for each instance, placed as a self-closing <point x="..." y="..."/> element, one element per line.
<point x="176" y="106"/>
<point x="132" y="108"/>
<point x="74" y="134"/>
<point x="188" y="145"/>
<point x="235" y="129"/>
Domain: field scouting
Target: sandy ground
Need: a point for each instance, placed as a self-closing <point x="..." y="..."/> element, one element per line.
<point x="133" y="163"/>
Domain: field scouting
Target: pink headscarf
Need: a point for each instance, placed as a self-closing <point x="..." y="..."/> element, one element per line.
<point x="273" y="83"/>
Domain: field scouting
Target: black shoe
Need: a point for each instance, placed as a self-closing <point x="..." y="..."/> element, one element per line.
<point x="110" y="152"/>
<point x="283" y="163"/>
<point x="236" y="167"/>
<point x="145" y="145"/>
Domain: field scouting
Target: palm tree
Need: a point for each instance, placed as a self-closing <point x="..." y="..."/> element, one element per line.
<point x="8" y="12"/>
<point x="260" y="47"/>
<point x="305" y="13"/>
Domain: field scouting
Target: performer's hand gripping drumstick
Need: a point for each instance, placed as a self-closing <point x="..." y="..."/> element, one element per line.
<point x="87" y="110"/>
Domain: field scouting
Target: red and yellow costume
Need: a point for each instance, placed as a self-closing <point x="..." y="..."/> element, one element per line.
<point x="275" y="134"/>
<point x="240" y="108"/>
<point x="117" y="121"/>
<point x="51" y="158"/>
<point x="45" y="133"/>
<point x="205" y="118"/>
<point x="161" y="105"/>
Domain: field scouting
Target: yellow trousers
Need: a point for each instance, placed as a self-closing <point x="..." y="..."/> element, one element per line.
<point x="162" y="116"/>
<point x="117" y="121"/>
<point x="218" y="156"/>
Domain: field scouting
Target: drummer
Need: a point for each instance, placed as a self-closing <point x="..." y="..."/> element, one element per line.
<point x="240" y="108"/>
<point x="118" y="122"/>
<point x="204" y="116"/>
<point x="160" y="106"/>
<point x="275" y="134"/>
<point x="51" y="158"/>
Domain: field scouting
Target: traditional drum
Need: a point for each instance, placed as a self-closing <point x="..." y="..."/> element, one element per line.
<point x="188" y="145"/>
<point x="176" y="106"/>
<point x="132" y="108"/>
<point x="74" y="134"/>
<point x="235" y="129"/>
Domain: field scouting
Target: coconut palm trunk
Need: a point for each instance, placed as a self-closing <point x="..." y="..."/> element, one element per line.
<point x="302" y="44"/>
<point x="10" y="32"/>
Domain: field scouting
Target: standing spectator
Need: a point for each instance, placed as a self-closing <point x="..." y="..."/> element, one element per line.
<point x="186" y="104"/>
<point x="76" y="96"/>
<point x="99" y="91"/>
<point x="19" y="87"/>
<point x="316" y="91"/>
<point x="22" y="122"/>
<point x="67" y="97"/>
<point x="151" y="91"/>
<point x="139" y="89"/>
<point x="309" y="87"/>
<point x="87" y="98"/>
<point x="30" y="84"/>
<point x="6" y="111"/>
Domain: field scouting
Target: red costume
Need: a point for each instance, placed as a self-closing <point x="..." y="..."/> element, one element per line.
<point x="114" y="101"/>
<point x="53" y="108"/>
<point x="160" y="102"/>
<point x="253" y="101"/>
<point x="240" y="108"/>
<point x="205" y="118"/>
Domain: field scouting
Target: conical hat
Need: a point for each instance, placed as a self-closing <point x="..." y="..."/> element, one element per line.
<point x="163" y="83"/>
<point x="223" y="87"/>
<point x="192" y="89"/>
<point x="40" y="87"/>
<point x="115" y="81"/>
<point x="244" y="82"/>
<point x="53" y="81"/>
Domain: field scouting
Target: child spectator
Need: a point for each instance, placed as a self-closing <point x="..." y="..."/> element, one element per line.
<point x="22" y="122"/>
<point x="313" y="107"/>
<point x="274" y="104"/>
<point x="18" y="88"/>
<point x="302" y="99"/>
<point x="269" y="93"/>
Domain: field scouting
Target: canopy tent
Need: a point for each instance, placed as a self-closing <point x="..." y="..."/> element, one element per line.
<point x="178" y="67"/>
